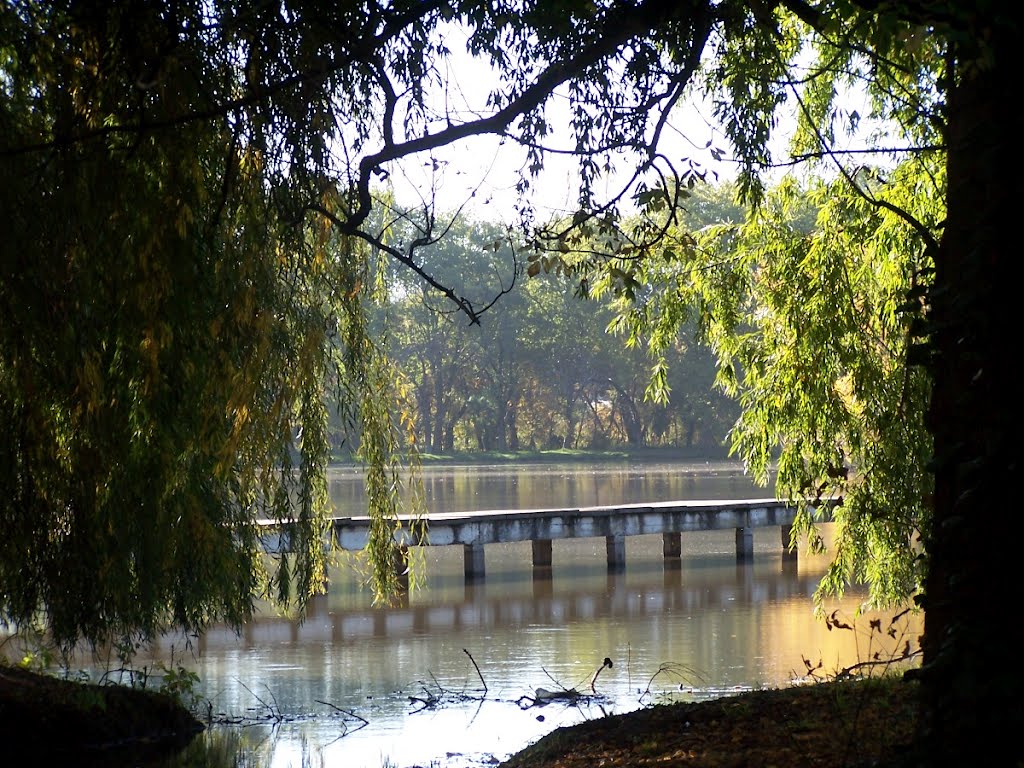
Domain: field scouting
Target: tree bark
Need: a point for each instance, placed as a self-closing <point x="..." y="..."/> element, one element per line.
<point x="971" y="681"/>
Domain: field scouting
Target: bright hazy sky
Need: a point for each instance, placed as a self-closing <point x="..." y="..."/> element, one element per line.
<point x="483" y="170"/>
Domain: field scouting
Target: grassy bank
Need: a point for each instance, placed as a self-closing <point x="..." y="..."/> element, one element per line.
<point x="47" y="718"/>
<point x="558" y="456"/>
<point x="837" y="724"/>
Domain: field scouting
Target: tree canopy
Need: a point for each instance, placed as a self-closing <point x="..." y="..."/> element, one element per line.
<point x="195" y="206"/>
<point x="542" y="371"/>
<point x="813" y="307"/>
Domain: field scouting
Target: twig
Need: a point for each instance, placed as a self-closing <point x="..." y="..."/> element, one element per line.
<point x="482" y="681"/>
<point x="275" y="713"/>
<point x="673" y="669"/>
<point x="428" y="703"/>
<point x="553" y="679"/>
<point x="606" y="663"/>
<point x="441" y="689"/>
<point x="351" y="714"/>
<point x="847" y="673"/>
<point x="273" y="698"/>
<point x="629" y="667"/>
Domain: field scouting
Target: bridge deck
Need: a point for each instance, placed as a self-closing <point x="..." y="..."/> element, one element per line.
<point x="473" y="530"/>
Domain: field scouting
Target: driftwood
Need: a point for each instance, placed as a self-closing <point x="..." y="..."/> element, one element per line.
<point x="544" y="696"/>
<point x="434" y="697"/>
<point x="270" y="712"/>
<point x="363" y="722"/>
<point x="431" y="700"/>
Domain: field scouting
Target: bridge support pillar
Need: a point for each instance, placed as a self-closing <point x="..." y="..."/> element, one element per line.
<point x="401" y="556"/>
<point x="787" y="553"/>
<point x="744" y="544"/>
<point x="616" y="547"/>
<point x="672" y="545"/>
<point x="541" y="553"/>
<point x="473" y="555"/>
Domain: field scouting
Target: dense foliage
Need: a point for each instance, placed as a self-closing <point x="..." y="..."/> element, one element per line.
<point x="814" y="328"/>
<point x="543" y="371"/>
<point x="169" y="327"/>
<point x="815" y="299"/>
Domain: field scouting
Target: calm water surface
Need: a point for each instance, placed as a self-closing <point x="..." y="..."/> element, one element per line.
<point x="543" y="486"/>
<point x="449" y="677"/>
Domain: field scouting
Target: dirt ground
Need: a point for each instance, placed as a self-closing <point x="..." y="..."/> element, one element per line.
<point x="49" y="719"/>
<point x="834" y="724"/>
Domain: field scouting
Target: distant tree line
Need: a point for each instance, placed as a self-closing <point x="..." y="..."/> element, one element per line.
<point x="542" y="371"/>
<point x="545" y="369"/>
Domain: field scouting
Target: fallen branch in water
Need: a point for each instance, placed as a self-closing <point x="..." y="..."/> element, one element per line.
<point x="482" y="682"/>
<point x="429" y="702"/>
<point x="443" y="696"/>
<point x="364" y="722"/>
<point x="273" y="710"/>
<point x="671" y="669"/>
<point x="543" y="696"/>
<point x="265" y="713"/>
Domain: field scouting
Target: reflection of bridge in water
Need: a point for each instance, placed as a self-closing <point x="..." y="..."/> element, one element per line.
<point x="542" y="607"/>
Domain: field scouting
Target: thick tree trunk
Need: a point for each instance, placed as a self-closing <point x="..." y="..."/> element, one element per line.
<point x="629" y="416"/>
<point x="972" y="711"/>
<point x="424" y="404"/>
<point x="512" y="427"/>
<point x="440" y="398"/>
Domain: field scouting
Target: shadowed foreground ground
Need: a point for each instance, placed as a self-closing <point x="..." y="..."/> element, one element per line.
<point x="834" y="724"/>
<point x="50" y="721"/>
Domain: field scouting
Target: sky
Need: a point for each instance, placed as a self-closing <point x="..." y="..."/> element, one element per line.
<point x="481" y="173"/>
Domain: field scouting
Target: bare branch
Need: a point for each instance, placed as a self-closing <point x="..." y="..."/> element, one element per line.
<point x="621" y="25"/>
<point x="482" y="681"/>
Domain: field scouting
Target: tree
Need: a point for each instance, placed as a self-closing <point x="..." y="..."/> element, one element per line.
<point x="916" y="57"/>
<point x="169" y="327"/>
<point x="567" y="350"/>
<point x="448" y="359"/>
<point x="810" y="319"/>
<point x="250" y="130"/>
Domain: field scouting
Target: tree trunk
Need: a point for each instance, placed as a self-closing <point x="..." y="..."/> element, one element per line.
<point x="512" y="426"/>
<point x="971" y="680"/>
<point x="629" y="417"/>
<point x="440" y="415"/>
<point x="571" y="396"/>
<point x="424" y="403"/>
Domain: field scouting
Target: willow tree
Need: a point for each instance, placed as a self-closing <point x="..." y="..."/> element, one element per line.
<point x="173" y="325"/>
<point x="814" y="308"/>
<point x="173" y="171"/>
<point x="866" y="350"/>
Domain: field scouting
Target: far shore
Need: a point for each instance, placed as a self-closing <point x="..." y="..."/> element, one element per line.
<point x="560" y="455"/>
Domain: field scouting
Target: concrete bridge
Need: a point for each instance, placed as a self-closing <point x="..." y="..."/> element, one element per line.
<point x="474" y="530"/>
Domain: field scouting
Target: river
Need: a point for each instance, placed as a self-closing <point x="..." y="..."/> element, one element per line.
<point x="450" y="677"/>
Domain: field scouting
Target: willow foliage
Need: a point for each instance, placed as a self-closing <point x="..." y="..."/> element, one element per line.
<point x="188" y="249"/>
<point x="815" y="301"/>
<point x="820" y="359"/>
<point x="169" y="333"/>
<point x="805" y="302"/>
